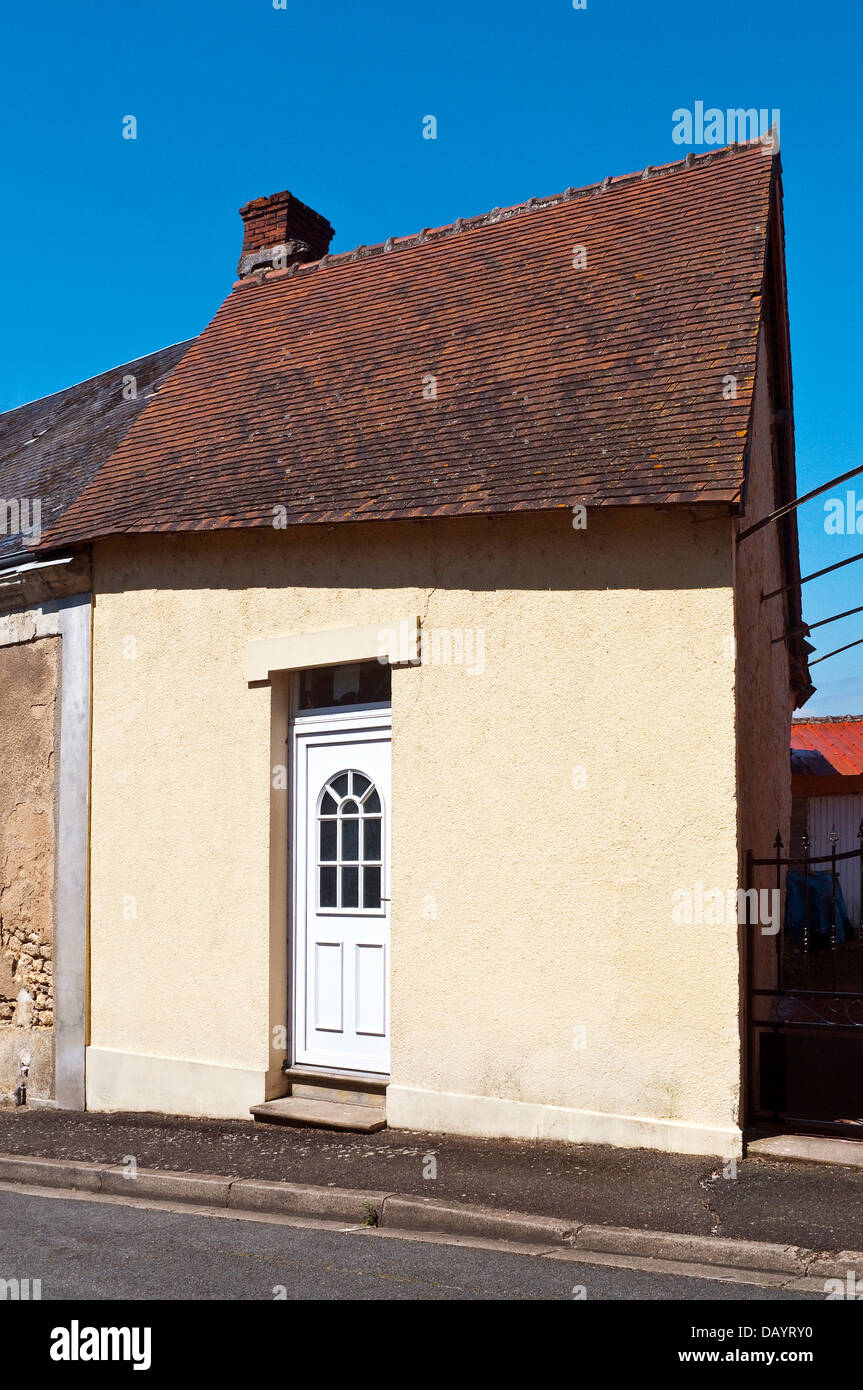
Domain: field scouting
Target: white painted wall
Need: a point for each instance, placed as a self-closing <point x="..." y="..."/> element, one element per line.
<point x="845" y="813"/>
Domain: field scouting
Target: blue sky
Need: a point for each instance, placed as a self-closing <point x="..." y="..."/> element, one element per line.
<point x="114" y="247"/>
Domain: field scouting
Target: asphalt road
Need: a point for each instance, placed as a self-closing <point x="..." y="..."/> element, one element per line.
<point x="99" y="1250"/>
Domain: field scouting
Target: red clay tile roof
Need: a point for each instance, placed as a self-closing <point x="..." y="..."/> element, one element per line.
<point x="555" y="385"/>
<point x="838" y="741"/>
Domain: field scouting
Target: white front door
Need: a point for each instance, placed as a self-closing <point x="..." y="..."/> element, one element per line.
<point x="341" y="899"/>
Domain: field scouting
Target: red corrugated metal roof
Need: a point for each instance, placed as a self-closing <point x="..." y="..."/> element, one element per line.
<point x="839" y="741"/>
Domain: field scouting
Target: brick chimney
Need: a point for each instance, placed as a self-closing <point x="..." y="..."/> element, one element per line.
<point x="279" y="230"/>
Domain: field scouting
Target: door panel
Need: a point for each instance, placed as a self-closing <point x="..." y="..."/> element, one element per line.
<point x="371" y="990"/>
<point x="328" y="986"/>
<point x="341" y="907"/>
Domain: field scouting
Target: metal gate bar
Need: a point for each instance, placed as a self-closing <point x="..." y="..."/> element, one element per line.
<point x="806" y="953"/>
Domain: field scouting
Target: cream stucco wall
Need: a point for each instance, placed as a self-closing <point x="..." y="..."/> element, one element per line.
<point x="539" y="982"/>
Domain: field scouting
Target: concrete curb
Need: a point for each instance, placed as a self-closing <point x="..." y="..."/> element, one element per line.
<point x="398" y="1211"/>
<point x="425" y="1214"/>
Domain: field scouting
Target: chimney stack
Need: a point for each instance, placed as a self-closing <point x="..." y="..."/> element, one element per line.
<point x="280" y="230"/>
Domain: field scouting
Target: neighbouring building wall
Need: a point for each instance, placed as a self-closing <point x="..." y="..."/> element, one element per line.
<point x="765" y="698"/>
<point x="550" y="805"/>
<point x="44" y="808"/>
<point x="29" y="708"/>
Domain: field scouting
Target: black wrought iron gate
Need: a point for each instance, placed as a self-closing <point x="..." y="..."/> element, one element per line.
<point x="805" y="990"/>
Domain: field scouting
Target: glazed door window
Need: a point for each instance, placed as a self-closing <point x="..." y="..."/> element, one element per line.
<point x="349" y="844"/>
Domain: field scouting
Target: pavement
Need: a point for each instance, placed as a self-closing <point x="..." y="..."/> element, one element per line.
<point x="818" y="1207"/>
<point x="83" y="1250"/>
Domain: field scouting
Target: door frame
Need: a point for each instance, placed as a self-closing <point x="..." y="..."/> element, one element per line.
<point x="370" y="720"/>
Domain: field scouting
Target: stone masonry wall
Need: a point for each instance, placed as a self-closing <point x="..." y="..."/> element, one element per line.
<point x="28" y="713"/>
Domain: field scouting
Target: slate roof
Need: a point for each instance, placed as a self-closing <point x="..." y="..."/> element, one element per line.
<point x="310" y="390"/>
<point x="51" y="449"/>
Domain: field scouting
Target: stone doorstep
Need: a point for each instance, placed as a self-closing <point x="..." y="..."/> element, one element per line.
<point x="320" y="1114"/>
<point x="361" y="1088"/>
<point x="363" y="1099"/>
<point x="808" y="1148"/>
